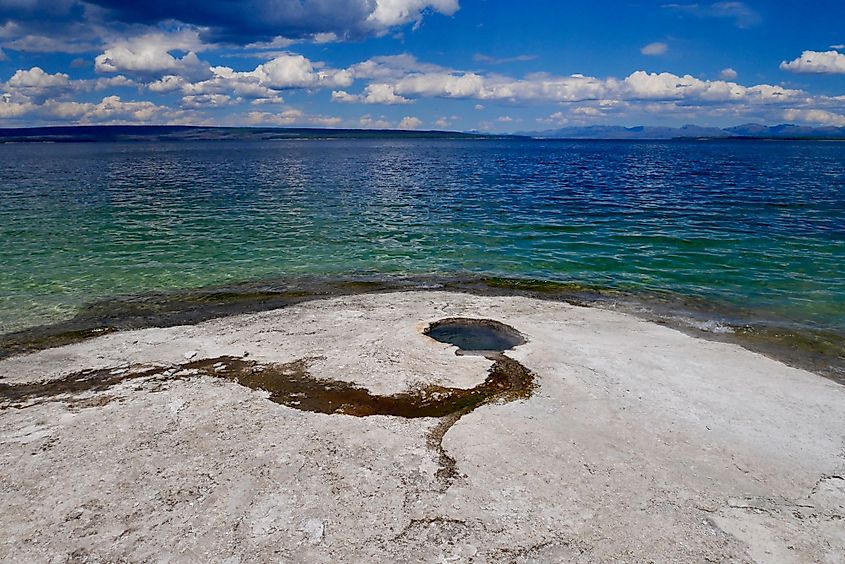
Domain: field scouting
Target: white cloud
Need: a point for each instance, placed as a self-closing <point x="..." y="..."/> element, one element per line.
<point x="295" y="71"/>
<point x="815" y="116"/>
<point x="345" y="97"/>
<point x="369" y="122"/>
<point x="224" y="81"/>
<point x="504" y="119"/>
<point x="9" y="109"/>
<point x="590" y="111"/>
<point x="36" y="79"/>
<point x="728" y="74"/>
<point x="326" y="37"/>
<point x="383" y="94"/>
<point x="656" y="48"/>
<point x="442" y="122"/>
<point x="110" y="109"/>
<point x="206" y="101"/>
<point x="390" y="13"/>
<point x="285" y="71"/>
<point x="292" y="116"/>
<point x="103" y="83"/>
<point x="168" y="83"/>
<point x="479" y="106"/>
<point x="410" y="122"/>
<point x="826" y="62"/>
<point x="277" y="42"/>
<point x="666" y="86"/>
<point x="392" y="67"/>
<point x="36" y="85"/>
<point x="373" y="94"/>
<point x="441" y="84"/>
<point x="540" y="87"/>
<point x="150" y="54"/>
<point x="558" y="118"/>
<point x="839" y="46"/>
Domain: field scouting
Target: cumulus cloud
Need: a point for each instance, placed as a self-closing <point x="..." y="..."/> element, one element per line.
<point x="150" y="54"/>
<point x="826" y="62"/>
<point x="36" y="85"/>
<point x="728" y="74"/>
<point x="373" y="94"/>
<point x="390" y="13"/>
<point x="410" y="122"/>
<point x="394" y="80"/>
<point x="36" y="79"/>
<point x="296" y="71"/>
<point x="392" y="67"/>
<point x="206" y="101"/>
<point x="10" y="109"/>
<point x="541" y="87"/>
<point x="815" y="116"/>
<point x="262" y="84"/>
<point x="654" y="49"/>
<point x="111" y="109"/>
<point x="369" y="122"/>
<point x="292" y="116"/>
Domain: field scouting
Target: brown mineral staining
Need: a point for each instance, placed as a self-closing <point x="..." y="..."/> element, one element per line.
<point x="292" y="385"/>
<point x="97" y="380"/>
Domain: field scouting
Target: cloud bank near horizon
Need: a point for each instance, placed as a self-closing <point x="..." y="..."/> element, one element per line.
<point x="195" y="62"/>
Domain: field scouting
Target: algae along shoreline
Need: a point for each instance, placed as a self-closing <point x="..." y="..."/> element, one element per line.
<point x="350" y="428"/>
<point x="818" y="350"/>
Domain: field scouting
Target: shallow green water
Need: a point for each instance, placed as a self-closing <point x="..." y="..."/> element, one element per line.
<point x="751" y="225"/>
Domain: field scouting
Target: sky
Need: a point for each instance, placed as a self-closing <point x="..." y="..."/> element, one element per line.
<point x="463" y="65"/>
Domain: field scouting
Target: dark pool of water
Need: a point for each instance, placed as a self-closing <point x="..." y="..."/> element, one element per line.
<point x="475" y="335"/>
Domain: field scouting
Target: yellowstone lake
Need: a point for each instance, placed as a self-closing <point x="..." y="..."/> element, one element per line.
<point x="746" y="231"/>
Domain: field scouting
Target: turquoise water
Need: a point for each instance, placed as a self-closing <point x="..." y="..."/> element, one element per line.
<point x="748" y="224"/>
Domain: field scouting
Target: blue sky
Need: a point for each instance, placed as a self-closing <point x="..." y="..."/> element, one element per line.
<point x="490" y="65"/>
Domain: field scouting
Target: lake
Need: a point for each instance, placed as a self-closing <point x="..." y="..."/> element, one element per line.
<point x="750" y="226"/>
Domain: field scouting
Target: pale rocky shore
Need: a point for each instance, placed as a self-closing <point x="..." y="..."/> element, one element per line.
<point x="638" y="444"/>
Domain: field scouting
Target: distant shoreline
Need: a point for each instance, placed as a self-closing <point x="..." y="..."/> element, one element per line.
<point x="159" y="133"/>
<point x="183" y="133"/>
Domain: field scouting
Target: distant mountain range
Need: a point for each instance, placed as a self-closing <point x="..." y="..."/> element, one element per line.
<point x="154" y="133"/>
<point x="148" y="133"/>
<point x="746" y="131"/>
